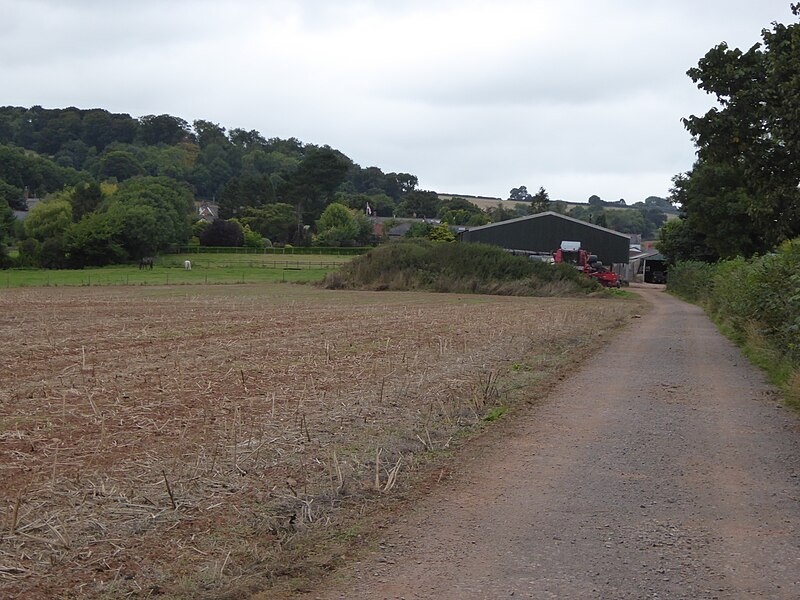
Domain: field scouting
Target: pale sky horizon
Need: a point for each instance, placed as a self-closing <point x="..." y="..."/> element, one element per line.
<point x="472" y="97"/>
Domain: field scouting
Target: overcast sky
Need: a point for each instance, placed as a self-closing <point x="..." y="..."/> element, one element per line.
<point x="580" y="97"/>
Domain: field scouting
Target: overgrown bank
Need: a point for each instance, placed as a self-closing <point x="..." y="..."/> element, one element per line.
<point x="458" y="268"/>
<point x="756" y="302"/>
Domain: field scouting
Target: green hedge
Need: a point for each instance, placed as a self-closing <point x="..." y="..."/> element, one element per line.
<point x="451" y="267"/>
<point x="760" y="295"/>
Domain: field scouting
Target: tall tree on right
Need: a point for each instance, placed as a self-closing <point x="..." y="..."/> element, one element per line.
<point x="742" y="197"/>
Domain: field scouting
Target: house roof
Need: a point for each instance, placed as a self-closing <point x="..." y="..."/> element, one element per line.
<point x="650" y="253"/>
<point x="551" y="214"/>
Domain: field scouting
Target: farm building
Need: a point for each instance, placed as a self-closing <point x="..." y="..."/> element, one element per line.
<point x="645" y="265"/>
<point x="544" y="232"/>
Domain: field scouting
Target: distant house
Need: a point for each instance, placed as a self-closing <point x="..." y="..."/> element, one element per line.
<point x="30" y="202"/>
<point x="207" y="211"/>
<point x="401" y="225"/>
<point x="645" y="265"/>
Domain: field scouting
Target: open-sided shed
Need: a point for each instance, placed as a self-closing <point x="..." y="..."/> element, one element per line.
<point x="545" y="231"/>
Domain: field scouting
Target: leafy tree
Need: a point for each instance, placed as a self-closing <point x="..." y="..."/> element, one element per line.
<point x="441" y="233"/>
<point x="85" y="198"/>
<point x="459" y="211"/>
<point x="519" y="194"/>
<point x="312" y="185"/>
<point x="247" y="140"/>
<point x="276" y="222"/>
<point x="419" y="204"/>
<point x="624" y="221"/>
<point x="715" y="202"/>
<point x="540" y="202"/>
<point x="419" y="230"/>
<point x="198" y="227"/>
<point x="92" y="241"/>
<point x="120" y="165"/>
<point x="341" y="226"/>
<point x="48" y="219"/>
<point x="162" y="129"/>
<point x="404" y="182"/>
<point x="595" y="200"/>
<point x="222" y="233"/>
<point x="138" y="229"/>
<point x="12" y="196"/>
<point x="40" y="175"/>
<point x="750" y="144"/>
<point x="246" y="192"/>
<point x="501" y="213"/>
<point x="209" y="133"/>
<point x="171" y="200"/>
<point x="50" y="254"/>
<point x="251" y="238"/>
<point x="6" y="227"/>
<point x="380" y="204"/>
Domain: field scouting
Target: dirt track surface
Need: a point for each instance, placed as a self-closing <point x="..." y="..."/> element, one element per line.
<point x="665" y="468"/>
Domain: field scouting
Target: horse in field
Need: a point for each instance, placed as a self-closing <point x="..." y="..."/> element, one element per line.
<point x="146" y="262"/>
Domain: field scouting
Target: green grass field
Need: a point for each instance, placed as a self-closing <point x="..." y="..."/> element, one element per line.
<point x="168" y="270"/>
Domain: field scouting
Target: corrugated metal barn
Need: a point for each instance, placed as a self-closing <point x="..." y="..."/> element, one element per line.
<point x="544" y="232"/>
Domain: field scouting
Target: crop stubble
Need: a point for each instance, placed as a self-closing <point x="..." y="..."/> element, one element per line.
<point x="157" y="440"/>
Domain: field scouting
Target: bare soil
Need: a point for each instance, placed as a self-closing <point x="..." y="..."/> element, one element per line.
<point x="664" y="467"/>
<point x="192" y="442"/>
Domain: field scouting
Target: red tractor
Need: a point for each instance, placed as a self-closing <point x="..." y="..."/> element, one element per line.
<point x="571" y="253"/>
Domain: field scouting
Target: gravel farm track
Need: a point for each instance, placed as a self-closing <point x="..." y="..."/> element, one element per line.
<point x="664" y="468"/>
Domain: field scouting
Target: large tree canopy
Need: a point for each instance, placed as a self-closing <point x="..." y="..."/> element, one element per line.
<point x="742" y="195"/>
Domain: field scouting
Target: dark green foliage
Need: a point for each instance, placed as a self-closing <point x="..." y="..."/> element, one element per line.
<point x="171" y="201"/>
<point x="277" y="222"/>
<point x="162" y="129"/>
<point x="85" y="198"/>
<point x="741" y="196"/>
<point x="240" y="194"/>
<point x="119" y="165"/>
<point x="473" y="268"/>
<point x="691" y="280"/>
<point x="222" y="233"/>
<point x="52" y="150"/>
<point x="342" y="226"/>
<point x="419" y="204"/>
<point x="12" y="196"/>
<point x="21" y="169"/>
<point x="93" y="241"/>
<point x="761" y="294"/>
<point x="419" y="230"/>
<point x="312" y="185"/>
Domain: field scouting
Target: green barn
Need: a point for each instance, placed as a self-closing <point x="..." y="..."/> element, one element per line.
<point x="544" y="232"/>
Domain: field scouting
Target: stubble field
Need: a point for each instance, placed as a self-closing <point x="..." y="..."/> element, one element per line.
<point x="182" y="442"/>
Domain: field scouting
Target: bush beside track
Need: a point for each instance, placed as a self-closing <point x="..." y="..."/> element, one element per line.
<point x="756" y="302"/>
<point x="459" y="268"/>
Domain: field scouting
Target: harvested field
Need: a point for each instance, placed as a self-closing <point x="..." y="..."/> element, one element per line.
<point x="180" y="442"/>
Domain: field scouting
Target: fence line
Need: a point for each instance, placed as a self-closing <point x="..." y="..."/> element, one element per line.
<point x="340" y="251"/>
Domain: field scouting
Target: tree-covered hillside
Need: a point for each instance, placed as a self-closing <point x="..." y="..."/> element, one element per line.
<point x="88" y="161"/>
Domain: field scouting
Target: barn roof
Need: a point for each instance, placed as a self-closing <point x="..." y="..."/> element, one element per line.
<point x="552" y="214"/>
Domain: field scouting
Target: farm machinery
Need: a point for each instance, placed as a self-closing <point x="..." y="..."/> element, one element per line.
<point x="571" y="253"/>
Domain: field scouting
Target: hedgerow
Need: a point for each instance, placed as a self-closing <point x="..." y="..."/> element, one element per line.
<point x="475" y="268"/>
<point x="756" y="301"/>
